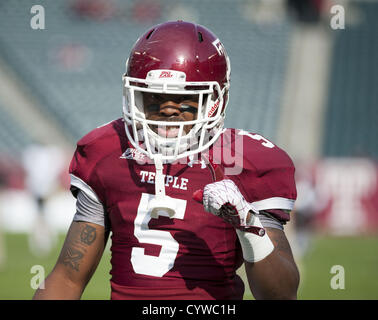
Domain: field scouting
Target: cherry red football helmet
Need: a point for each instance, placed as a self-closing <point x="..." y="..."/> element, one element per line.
<point x="176" y="58"/>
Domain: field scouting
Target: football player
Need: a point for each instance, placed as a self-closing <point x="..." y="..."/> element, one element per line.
<point x="187" y="201"/>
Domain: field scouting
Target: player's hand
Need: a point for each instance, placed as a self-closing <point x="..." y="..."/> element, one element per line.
<point x="224" y="199"/>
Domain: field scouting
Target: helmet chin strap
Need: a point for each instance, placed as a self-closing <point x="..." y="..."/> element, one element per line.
<point x="161" y="204"/>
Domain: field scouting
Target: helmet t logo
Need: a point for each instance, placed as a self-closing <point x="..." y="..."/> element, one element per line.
<point x="219" y="46"/>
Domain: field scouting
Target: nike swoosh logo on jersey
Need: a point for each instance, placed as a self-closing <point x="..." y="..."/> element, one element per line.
<point x="133" y="154"/>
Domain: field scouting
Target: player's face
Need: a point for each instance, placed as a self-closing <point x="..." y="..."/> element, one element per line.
<point x="169" y="107"/>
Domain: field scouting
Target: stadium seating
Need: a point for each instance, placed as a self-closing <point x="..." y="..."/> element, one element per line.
<point x="74" y="65"/>
<point x="13" y="138"/>
<point x="352" y="106"/>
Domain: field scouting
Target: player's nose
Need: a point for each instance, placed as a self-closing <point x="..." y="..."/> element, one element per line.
<point x="169" y="109"/>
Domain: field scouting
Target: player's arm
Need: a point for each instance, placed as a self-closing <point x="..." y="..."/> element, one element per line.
<point x="271" y="270"/>
<point x="269" y="263"/>
<point x="276" y="276"/>
<point x="78" y="260"/>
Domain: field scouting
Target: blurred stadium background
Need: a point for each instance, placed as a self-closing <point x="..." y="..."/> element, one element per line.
<point x="306" y="86"/>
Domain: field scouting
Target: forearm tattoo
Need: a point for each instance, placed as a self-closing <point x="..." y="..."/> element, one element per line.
<point x="72" y="257"/>
<point x="88" y="235"/>
<point x="280" y="242"/>
<point x="76" y="247"/>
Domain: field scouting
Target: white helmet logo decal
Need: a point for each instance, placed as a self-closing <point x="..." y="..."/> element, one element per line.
<point x="219" y="46"/>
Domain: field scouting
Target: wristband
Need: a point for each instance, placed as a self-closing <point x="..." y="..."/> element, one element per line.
<point x="254" y="247"/>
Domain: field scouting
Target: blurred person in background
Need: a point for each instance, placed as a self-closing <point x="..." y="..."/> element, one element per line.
<point x="181" y="226"/>
<point x="43" y="165"/>
<point x="11" y="178"/>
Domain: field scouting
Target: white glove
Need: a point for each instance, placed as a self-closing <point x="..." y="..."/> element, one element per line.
<point x="224" y="199"/>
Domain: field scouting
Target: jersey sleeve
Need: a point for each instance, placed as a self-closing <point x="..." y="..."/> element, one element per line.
<point x="90" y="210"/>
<point x="86" y="185"/>
<point x="267" y="180"/>
<point x="82" y="171"/>
<point x="85" y="163"/>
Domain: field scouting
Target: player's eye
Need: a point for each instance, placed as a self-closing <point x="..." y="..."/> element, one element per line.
<point x="184" y="107"/>
<point x="153" y="97"/>
<point x="152" y="108"/>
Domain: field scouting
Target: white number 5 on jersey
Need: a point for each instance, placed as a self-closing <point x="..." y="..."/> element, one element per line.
<point x="152" y="265"/>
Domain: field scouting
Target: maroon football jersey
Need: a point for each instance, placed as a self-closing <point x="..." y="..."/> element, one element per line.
<point x="194" y="254"/>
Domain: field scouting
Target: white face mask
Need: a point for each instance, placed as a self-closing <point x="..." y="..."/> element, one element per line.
<point x="169" y="139"/>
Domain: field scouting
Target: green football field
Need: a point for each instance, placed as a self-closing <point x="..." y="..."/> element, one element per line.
<point x="358" y="257"/>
